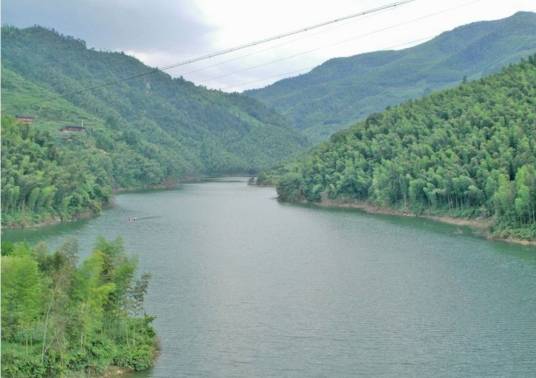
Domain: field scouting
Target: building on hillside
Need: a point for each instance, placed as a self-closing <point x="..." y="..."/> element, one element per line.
<point x="73" y="129"/>
<point x="24" y="119"/>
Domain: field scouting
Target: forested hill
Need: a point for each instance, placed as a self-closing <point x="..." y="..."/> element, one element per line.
<point x="206" y="131"/>
<point x="137" y="133"/>
<point x="468" y="151"/>
<point x="344" y="90"/>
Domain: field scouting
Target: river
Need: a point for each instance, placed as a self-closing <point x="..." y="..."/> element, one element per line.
<point x="244" y="286"/>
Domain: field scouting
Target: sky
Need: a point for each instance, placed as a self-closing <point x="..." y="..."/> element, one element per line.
<point x="165" y="32"/>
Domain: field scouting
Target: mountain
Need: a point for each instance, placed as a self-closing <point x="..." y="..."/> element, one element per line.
<point x="344" y="90"/>
<point x="131" y="133"/>
<point x="207" y="131"/>
<point x="465" y="152"/>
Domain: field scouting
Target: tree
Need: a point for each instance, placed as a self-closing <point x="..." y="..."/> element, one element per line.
<point x="22" y="288"/>
<point x="467" y="151"/>
<point x="64" y="319"/>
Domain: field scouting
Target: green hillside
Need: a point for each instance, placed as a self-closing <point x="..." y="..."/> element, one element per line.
<point x="141" y="133"/>
<point x="344" y="90"/>
<point x="466" y="152"/>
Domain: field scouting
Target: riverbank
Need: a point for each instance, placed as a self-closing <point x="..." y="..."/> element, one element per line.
<point x="27" y="221"/>
<point x="30" y="221"/>
<point x="33" y="221"/>
<point x="114" y="371"/>
<point x="481" y="225"/>
<point x="165" y="185"/>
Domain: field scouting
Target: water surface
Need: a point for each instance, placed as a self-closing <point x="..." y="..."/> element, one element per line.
<point x="244" y="286"/>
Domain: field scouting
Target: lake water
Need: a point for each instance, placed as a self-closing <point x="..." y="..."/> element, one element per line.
<point x="244" y="286"/>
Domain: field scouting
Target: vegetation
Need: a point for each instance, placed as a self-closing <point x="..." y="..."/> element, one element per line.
<point x="60" y="318"/>
<point x="42" y="181"/>
<point x="344" y="90"/>
<point x="468" y="151"/>
<point x="139" y="133"/>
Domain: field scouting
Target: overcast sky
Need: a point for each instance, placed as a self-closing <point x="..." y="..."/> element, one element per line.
<point x="164" y="32"/>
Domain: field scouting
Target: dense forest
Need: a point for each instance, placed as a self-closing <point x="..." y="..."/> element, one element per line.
<point x="342" y="91"/>
<point x="468" y="151"/>
<point x="45" y="179"/>
<point x="64" y="318"/>
<point x="137" y="133"/>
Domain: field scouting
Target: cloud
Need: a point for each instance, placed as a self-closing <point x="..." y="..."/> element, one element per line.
<point x="157" y="25"/>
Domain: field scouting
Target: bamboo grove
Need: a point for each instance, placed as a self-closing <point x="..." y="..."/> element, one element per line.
<point x="64" y="318"/>
<point x="43" y="179"/>
<point x="468" y="151"/>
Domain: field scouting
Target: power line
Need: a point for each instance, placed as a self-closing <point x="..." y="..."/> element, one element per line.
<point x="240" y="47"/>
<point x="343" y="41"/>
<point x="255" y="52"/>
<point x="288" y="34"/>
<point x="305" y="69"/>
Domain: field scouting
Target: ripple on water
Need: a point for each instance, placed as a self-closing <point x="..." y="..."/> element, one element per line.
<point x="244" y="286"/>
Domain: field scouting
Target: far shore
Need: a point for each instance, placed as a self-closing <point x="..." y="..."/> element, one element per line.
<point x="483" y="225"/>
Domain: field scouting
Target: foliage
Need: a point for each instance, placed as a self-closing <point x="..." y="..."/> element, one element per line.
<point x="139" y="133"/>
<point x="344" y="90"/>
<point x="468" y="151"/>
<point x="60" y="318"/>
<point x="41" y="180"/>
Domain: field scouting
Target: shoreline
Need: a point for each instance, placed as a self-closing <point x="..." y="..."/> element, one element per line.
<point x="165" y="185"/>
<point x="482" y="225"/>
<point x="54" y="220"/>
